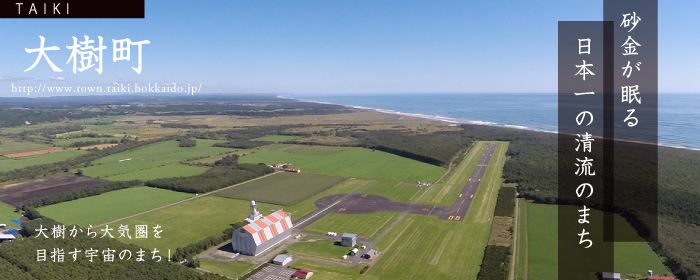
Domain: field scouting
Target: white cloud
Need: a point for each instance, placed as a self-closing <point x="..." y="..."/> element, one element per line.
<point x="13" y="79"/>
<point x="58" y="79"/>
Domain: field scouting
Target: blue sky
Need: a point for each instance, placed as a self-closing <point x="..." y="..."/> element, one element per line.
<point x="331" y="46"/>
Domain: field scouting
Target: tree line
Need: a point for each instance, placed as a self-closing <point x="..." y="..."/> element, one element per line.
<point x="437" y="148"/>
<point x="242" y="144"/>
<point x="495" y="264"/>
<point x="505" y="203"/>
<point x="213" y="179"/>
<point x="188" y="252"/>
<point x="80" y="193"/>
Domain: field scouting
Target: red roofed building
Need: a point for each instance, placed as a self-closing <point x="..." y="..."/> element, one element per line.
<point x="303" y="274"/>
<point x="292" y="170"/>
<point x="261" y="233"/>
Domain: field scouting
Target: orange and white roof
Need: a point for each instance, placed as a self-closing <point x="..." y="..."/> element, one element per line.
<point x="268" y="227"/>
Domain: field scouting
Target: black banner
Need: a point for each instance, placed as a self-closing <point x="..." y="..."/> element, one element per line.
<point x="608" y="136"/>
<point x="72" y="9"/>
<point x="584" y="49"/>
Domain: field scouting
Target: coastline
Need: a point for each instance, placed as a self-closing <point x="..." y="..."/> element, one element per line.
<point x="456" y="121"/>
<point x="424" y="116"/>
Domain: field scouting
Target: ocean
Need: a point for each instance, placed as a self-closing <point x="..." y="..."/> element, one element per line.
<point x="679" y="114"/>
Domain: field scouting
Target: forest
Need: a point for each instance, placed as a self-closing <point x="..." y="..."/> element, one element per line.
<point x="436" y="148"/>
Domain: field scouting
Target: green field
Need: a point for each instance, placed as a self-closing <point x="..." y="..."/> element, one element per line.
<point x="191" y="221"/>
<point x="230" y="269"/>
<point x="347" y="162"/>
<point x="165" y="171"/>
<point x="521" y="254"/>
<point x="368" y="225"/>
<point x="159" y="160"/>
<point x="7" y="164"/>
<point x="542" y="232"/>
<point x="14" y="146"/>
<point x="318" y="248"/>
<point x="283" y="188"/>
<point x="275" y="138"/>
<point x="452" y="250"/>
<point x="167" y="152"/>
<point x="396" y="191"/>
<point x="7" y="213"/>
<point x="109" y="206"/>
<point x="307" y="206"/>
<point x="112" y="129"/>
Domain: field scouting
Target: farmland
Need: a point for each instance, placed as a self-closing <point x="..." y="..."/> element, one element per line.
<point x="106" y="207"/>
<point x="630" y="257"/>
<point x="283" y="188"/>
<point x="7" y="164"/>
<point x="366" y="225"/>
<point x="167" y="152"/>
<point x="159" y="160"/>
<point x="347" y="162"/>
<point x="17" y="194"/>
<point x="192" y="221"/>
<point x="15" y="146"/>
<point x="163" y="171"/>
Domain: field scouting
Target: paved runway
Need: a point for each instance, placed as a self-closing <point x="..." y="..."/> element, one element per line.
<point x="461" y="205"/>
<point x="368" y="203"/>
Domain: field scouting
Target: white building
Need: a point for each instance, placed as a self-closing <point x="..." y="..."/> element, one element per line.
<point x="261" y="233"/>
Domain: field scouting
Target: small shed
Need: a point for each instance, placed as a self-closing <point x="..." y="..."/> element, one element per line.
<point x="370" y="254"/>
<point x="282" y="259"/>
<point x="354" y="251"/>
<point x="611" y="276"/>
<point x="349" y="240"/>
<point x="3" y="225"/>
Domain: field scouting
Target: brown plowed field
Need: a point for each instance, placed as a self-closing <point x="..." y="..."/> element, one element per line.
<point x="17" y="194"/>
